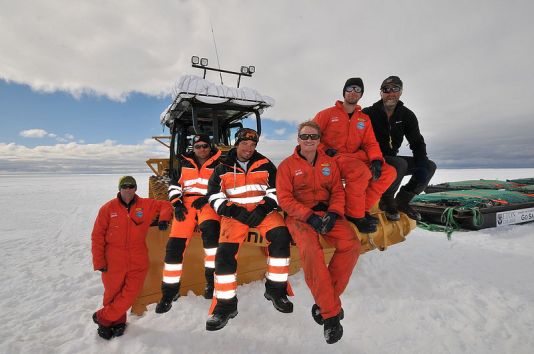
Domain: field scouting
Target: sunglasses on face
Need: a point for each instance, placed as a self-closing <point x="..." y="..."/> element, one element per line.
<point x="309" y="136"/>
<point x="354" y="88"/>
<point x="128" y="186"/>
<point x="201" y="146"/>
<point x="391" y="89"/>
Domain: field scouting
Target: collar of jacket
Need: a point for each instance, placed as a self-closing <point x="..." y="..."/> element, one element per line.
<point x="297" y="155"/>
<point x="132" y="202"/>
<point x="339" y="105"/>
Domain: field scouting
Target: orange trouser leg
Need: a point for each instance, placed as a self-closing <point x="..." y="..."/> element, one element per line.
<point x="120" y="291"/>
<point x="326" y="283"/>
<point x="356" y="175"/>
<point x="378" y="187"/>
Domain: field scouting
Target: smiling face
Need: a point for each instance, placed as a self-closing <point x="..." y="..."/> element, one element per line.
<point x="308" y="145"/>
<point x="245" y="149"/>
<point x="390" y="98"/>
<point x="201" y="150"/>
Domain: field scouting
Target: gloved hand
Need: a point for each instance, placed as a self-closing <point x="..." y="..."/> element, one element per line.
<point x="179" y="210"/>
<point x="331" y="152"/>
<point x="200" y="202"/>
<point x="235" y="211"/>
<point x="329" y="220"/>
<point x="103" y="270"/>
<point x="163" y="225"/>
<point x="316" y="222"/>
<point x="421" y="172"/>
<point x="256" y="217"/>
<point x="376" y="169"/>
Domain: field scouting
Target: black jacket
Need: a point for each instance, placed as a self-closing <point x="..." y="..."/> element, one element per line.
<point x="390" y="134"/>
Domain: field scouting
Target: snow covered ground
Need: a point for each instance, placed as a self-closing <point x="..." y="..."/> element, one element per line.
<point x="473" y="294"/>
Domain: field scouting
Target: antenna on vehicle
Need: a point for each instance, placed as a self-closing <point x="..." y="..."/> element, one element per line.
<point x="216" y="51"/>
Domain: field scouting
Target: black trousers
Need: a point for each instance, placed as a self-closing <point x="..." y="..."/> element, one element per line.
<point x="405" y="165"/>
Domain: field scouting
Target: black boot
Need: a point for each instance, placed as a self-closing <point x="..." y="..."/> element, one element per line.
<point x="222" y="313"/>
<point x="208" y="290"/>
<point x="118" y="329"/>
<point x="318" y="318"/>
<point x="276" y="292"/>
<point x="362" y="224"/>
<point x="389" y="207"/>
<point x="103" y="331"/>
<point x="281" y="303"/>
<point x="371" y="219"/>
<point x="403" y="199"/>
<point x="170" y="293"/>
<point x="333" y="330"/>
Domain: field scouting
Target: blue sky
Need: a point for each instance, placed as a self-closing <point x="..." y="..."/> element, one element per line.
<point x="94" y="80"/>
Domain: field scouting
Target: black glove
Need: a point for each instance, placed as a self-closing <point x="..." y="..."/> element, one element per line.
<point x="376" y="169"/>
<point x="163" y="225"/>
<point x="331" y="152"/>
<point x="316" y="222"/>
<point x="200" y="202"/>
<point x="256" y="217"/>
<point x="103" y="270"/>
<point x="236" y="212"/>
<point x="329" y="220"/>
<point x="179" y="210"/>
<point x="421" y="172"/>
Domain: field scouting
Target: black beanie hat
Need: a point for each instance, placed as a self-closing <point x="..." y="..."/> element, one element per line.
<point x="201" y="137"/>
<point x="353" y="81"/>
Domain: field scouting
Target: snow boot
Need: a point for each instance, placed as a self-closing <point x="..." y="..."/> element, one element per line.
<point x="403" y="199"/>
<point x="103" y="331"/>
<point x="118" y="329"/>
<point x="389" y="207"/>
<point x="373" y="220"/>
<point x="222" y="313"/>
<point x="281" y="303"/>
<point x="318" y="318"/>
<point x="171" y="293"/>
<point x="362" y="224"/>
<point x="208" y="290"/>
<point x="333" y="330"/>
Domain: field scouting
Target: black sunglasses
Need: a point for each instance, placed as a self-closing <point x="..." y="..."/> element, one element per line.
<point x="309" y="136"/>
<point x="128" y="186"/>
<point x="201" y="146"/>
<point x="354" y="88"/>
<point x="390" y="89"/>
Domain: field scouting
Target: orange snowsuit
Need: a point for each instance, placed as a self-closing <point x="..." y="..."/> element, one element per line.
<point x="118" y="245"/>
<point x="354" y="140"/>
<point x="188" y="184"/>
<point x="255" y="187"/>
<point x="301" y="187"/>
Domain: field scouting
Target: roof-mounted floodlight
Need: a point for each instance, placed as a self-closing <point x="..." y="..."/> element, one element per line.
<point x="202" y="63"/>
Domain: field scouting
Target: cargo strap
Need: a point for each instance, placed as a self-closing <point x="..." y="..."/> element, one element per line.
<point x="450" y="225"/>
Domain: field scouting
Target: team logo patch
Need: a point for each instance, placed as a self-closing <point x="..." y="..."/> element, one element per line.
<point x="113" y="215"/>
<point x="298" y="172"/>
<point x="325" y="171"/>
<point x="361" y="125"/>
<point x="334" y="119"/>
<point x="139" y="213"/>
<point x="361" y="119"/>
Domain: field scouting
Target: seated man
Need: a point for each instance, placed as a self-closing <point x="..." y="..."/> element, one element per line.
<point x="310" y="192"/>
<point x="392" y="121"/>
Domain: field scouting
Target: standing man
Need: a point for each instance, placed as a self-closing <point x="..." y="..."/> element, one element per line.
<point x="120" y="252"/>
<point x="187" y="193"/>
<point x="310" y="192"/>
<point x="392" y="121"/>
<point x="348" y="137"/>
<point x="242" y="190"/>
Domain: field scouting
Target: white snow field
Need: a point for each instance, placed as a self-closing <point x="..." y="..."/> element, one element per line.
<point x="473" y="294"/>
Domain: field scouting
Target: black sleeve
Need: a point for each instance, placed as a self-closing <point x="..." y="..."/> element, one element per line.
<point x="414" y="137"/>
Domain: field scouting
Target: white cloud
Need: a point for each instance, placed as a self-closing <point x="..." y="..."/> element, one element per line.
<point x="33" y="133"/>
<point x="450" y="55"/>
<point x="280" y="131"/>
